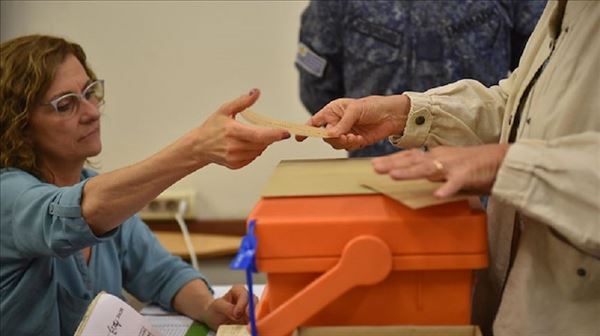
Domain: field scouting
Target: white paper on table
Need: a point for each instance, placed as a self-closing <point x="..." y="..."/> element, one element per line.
<point x="172" y="324"/>
<point x="109" y="315"/>
<point x="168" y="323"/>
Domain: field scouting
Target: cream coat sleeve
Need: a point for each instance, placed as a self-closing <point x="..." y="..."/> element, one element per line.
<point x="556" y="182"/>
<point x="459" y="114"/>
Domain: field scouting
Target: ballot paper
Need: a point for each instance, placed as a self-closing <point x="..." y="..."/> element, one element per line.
<point x="415" y="194"/>
<point x="297" y="129"/>
<point x="330" y="177"/>
<point x="320" y="177"/>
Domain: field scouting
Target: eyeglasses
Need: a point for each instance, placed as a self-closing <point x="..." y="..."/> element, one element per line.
<point x="68" y="104"/>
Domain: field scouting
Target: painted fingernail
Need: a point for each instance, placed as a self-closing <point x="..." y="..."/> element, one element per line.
<point x="286" y="136"/>
<point x="252" y="92"/>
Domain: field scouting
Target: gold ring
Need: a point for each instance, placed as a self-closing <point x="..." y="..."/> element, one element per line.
<point x="438" y="165"/>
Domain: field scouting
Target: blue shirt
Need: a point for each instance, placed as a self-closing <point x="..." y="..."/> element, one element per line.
<point x="45" y="282"/>
<point x="360" y="48"/>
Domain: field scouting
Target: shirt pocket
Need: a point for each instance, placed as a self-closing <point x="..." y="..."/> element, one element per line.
<point x="371" y="42"/>
<point x="479" y="43"/>
<point x="577" y="274"/>
<point x="71" y="309"/>
<point x="478" y="30"/>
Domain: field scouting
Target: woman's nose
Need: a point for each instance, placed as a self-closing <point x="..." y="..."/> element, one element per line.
<point x="89" y="110"/>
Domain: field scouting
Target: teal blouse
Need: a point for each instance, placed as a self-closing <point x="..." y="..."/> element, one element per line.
<point x="45" y="283"/>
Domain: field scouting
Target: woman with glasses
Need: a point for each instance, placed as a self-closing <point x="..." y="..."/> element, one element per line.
<point x="68" y="232"/>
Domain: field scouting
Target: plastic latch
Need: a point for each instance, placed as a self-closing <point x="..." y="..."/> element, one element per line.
<point x="246" y="260"/>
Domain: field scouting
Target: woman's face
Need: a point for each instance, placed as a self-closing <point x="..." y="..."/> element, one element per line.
<point x="59" y="139"/>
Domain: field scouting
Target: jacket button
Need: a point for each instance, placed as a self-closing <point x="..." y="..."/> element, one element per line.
<point x="420" y="120"/>
<point x="581" y="272"/>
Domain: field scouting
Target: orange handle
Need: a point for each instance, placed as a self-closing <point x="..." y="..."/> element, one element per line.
<point x="365" y="260"/>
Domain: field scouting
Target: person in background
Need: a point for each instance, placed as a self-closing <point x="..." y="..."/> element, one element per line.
<point x="69" y="233"/>
<point x="533" y="143"/>
<point x="360" y="48"/>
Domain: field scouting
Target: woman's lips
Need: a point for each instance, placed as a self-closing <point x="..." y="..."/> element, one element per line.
<point x="94" y="131"/>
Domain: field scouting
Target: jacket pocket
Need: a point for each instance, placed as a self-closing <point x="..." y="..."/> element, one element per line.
<point x="577" y="274"/>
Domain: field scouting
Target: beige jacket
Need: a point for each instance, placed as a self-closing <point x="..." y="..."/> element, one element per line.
<point x="550" y="177"/>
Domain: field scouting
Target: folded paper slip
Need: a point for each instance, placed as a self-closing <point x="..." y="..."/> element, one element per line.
<point x="415" y="194"/>
<point x="297" y="129"/>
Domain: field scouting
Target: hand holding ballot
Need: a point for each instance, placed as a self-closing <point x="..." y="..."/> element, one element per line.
<point x="232" y="144"/>
<point x="355" y="123"/>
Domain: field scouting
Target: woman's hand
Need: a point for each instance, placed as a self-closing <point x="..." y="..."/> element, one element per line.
<point x="220" y="139"/>
<point x="232" y="308"/>
<point x="467" y="168"/>
<point x="355" y="123"/>
<point x="224" y="141"/>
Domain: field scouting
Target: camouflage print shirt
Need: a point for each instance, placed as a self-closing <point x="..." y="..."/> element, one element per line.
<point x="361" y="48"/>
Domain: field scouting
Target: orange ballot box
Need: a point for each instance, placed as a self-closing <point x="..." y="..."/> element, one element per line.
<point x="351" y="258"/>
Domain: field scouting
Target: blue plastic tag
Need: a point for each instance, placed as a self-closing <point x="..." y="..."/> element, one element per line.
<point x="246" y="260"/>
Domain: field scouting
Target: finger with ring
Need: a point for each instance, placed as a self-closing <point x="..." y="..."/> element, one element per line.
<point x="438" y="165"/>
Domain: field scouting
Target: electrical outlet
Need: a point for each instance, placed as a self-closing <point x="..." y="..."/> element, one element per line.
<point x="166" y="205"/>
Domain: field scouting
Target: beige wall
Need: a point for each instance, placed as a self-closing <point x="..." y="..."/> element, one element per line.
<point x="168" y="65"/>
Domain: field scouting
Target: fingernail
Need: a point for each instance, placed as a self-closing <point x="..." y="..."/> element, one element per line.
<point x="252" y="92"/>
<point x="286" y="136"/>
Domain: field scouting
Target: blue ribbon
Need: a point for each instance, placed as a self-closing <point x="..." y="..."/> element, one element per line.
<point x="246" y="260"/>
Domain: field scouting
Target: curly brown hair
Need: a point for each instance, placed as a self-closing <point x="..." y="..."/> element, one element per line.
<point x="27" y="68"/>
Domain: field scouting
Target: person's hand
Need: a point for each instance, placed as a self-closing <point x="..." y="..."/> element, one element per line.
<point x="224" y="141"/>
<point x="355" y="123"/>
<point x="231" y="308"/>
<point x="467" y="168"/>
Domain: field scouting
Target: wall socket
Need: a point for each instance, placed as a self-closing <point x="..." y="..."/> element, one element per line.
<point x="166" y="205"/>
